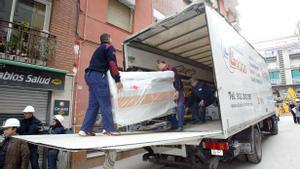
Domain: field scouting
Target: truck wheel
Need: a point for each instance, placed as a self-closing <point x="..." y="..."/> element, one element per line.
<point x="257" y="155"/>
<point x="274" y="130"/>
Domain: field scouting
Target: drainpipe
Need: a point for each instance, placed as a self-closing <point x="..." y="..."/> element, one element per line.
<point x="77" y="63"/>
<point x="85" y="19"/>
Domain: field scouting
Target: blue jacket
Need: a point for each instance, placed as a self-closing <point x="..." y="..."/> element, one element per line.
<point x="202" y="92"/>
<point x="104" y="59"/>
<point x="57" y="130"/>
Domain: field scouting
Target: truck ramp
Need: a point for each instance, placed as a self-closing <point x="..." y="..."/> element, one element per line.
<point x="124" y="141"/>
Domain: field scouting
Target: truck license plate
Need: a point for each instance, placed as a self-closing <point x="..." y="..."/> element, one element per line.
<point x="217" y="152"/>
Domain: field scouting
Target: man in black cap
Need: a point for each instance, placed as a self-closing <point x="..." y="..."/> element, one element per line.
<point x="103" y="59"/>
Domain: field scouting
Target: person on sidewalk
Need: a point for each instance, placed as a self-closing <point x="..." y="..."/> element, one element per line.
<point x="103" y="59"/>
<point x="297" y="111"/>
<point x="30" y="125"/>
<point x="202" y="97"/>
<point x="179" y="95"/>
<point x="56" y="128"/>
<point x="14" y="153"/>
<point x="292" y="110"/>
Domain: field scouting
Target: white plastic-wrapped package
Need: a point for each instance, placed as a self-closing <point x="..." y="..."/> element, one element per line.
<point x="145" y="95"/>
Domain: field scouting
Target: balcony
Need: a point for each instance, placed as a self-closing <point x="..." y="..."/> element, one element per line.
<point x="271" y="58"/>
<point x="295" y="55"/>
<point x="19" y="42"/>
<point x="296" y="80"/>
<point x="275" y="81"/>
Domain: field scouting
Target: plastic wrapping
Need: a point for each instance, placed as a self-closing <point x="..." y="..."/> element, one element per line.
<point x="145" y="95"/>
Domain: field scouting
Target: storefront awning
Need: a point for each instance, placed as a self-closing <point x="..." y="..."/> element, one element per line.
<point x="32" y="76"/>
<point x="26" y="65"/>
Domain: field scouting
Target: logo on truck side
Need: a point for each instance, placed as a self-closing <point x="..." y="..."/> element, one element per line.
<point x="232" y="60"/>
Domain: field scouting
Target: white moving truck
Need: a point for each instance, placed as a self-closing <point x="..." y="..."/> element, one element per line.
<point x="201" y="43"/>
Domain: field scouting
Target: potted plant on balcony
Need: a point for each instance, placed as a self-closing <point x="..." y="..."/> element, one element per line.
<point x="23" y="30"/>
<point x="2" y="45"/>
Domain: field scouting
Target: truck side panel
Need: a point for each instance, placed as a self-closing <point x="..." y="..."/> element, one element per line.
<point x="244" y="91"/>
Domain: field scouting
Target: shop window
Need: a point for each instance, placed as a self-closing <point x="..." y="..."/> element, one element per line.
<point x="119" y="15"/>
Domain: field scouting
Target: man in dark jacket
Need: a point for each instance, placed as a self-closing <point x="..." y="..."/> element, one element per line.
<point x="14" y="153"/>
<point x="30" y="125"/>
<point x="103" y="59"/>
<point x="292" y="106"/>
<point x="202" y="96"/>
<point x="179" y="95"/>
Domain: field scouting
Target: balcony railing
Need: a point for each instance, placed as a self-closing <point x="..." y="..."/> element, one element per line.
<point x="296" y="80"/>
<point x="21" y="43"/>
<point x="275" y="81"/>
<point x="295" y="55"/>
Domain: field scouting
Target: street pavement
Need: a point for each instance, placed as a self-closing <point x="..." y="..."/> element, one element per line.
<point x="279" y="152"/>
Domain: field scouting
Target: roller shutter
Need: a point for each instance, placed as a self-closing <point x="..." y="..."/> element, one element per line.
<point x="14" y="100"/>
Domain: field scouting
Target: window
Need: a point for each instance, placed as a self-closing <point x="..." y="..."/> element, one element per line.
<point x="274" y="75"/>
<point x="296" y="74"/>
<point x="34" y="13"/>
<point x="5" y="8"/>
<point x="119" y="15"/>
<point x="31" y="12"/>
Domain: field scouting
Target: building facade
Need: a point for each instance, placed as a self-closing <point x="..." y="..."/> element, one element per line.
<point x="36" y="50"/>
<point x="283" y="59"/>
<point x="36" y="59"/>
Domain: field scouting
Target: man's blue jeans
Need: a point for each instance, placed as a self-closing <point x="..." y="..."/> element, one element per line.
<point x="180" y="108"/>
<point x="180" y="113"/>
<point x="99" y="98"/>
<point x="52" y="158"/>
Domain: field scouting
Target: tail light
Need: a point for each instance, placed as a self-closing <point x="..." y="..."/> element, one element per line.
<point x="216" y="145"/>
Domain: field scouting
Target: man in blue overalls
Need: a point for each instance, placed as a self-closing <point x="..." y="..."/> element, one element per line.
<point x="179" y="95"/>
<point x="103" y="59"/>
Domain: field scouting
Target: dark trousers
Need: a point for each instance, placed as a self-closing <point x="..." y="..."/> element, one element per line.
<point x="52" y="158"/>
<point x="34" y="157"/>
<point x="196" y="116"/>
<point x="203" y="114"/>
<point x="298" y="120"/>
<point x="99" y="98"/>
<point x="294" y="117"/>
<point x="195" y="112"/>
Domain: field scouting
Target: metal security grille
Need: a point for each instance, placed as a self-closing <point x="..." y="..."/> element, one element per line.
<point x="14" y="100"/>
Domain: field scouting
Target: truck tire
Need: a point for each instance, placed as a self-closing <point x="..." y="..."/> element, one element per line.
<point x="256" y="156"/>
<point x="274" y="130"/>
